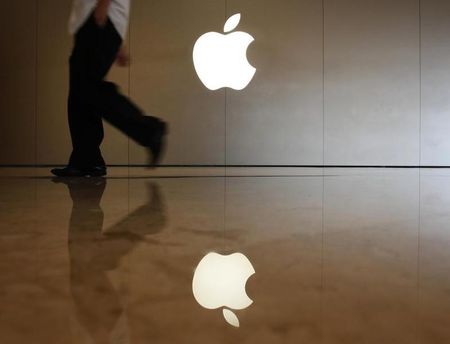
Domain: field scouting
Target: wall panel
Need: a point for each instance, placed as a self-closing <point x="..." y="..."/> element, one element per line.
<point x="435" y="21"/>
<point x="164" y="83"/>
<point x="278" y="118"/>
<point x="372" y="88"/>
<point x="52" y="136"/>
<point x="17" y="82"/>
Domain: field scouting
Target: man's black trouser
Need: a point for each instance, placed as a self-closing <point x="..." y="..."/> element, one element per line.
<point x="91" y="98"/>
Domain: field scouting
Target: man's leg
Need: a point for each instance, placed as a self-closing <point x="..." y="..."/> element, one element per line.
<point x="86" y="131"/>
<point x="91" y="96"/>
<point x="103" y="99"/>
<point x="122" y="113"/>
<point x="117" y="109"/>
<point x="86" y="127"/>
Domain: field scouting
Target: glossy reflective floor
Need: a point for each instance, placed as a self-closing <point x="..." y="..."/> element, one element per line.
<point x="339" y="255"/>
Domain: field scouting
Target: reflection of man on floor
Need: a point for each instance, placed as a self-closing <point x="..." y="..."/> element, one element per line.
<point x="99" y="28"/>
<point x="99" y="306"/>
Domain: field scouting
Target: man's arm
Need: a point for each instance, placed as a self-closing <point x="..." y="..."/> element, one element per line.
<point x="101" y="16"/>
<point x="101" y="12"/>
<point x="123" y="59"/>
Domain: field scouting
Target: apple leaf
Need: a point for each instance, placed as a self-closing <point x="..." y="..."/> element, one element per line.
<point x="232" y="22"/>
<point x="230" y="317"/>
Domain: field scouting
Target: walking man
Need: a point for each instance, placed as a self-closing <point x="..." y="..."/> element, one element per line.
<point x="99" y="28"/>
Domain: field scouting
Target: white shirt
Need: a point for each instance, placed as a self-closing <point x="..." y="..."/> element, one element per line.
<point x="118" y="12"/>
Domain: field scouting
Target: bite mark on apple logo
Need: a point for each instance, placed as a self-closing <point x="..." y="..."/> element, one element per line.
<point x="221" y="60"/>
<point x="219" y="282"/>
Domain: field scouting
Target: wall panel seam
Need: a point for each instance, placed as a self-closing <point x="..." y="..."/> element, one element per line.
<point x="420" y="82"/>
<point x="36" y="75"/>
<point x="323" y="82"/>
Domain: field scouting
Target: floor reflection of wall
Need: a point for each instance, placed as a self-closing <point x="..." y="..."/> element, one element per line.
<point x="95" y="253"/>
<point x="355" y="256"/>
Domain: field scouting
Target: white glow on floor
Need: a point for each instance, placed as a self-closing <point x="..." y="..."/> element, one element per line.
<point x="231" y="318"/>
<point x="219" y="281"/>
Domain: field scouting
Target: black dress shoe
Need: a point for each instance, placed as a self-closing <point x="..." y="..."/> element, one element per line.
<point x="158" y="143"/>
<point x="69" y="171"/>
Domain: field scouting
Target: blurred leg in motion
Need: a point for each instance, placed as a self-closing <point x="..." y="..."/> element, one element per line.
<point x="91" y="98"/>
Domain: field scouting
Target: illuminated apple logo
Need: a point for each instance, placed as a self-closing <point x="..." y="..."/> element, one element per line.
<point x="219" y="281"/>
<point x="221" y="60"/>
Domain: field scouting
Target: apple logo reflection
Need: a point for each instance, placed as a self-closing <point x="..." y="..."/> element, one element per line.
<point x="220" y="280"/>
<point x="99" y="306"/>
